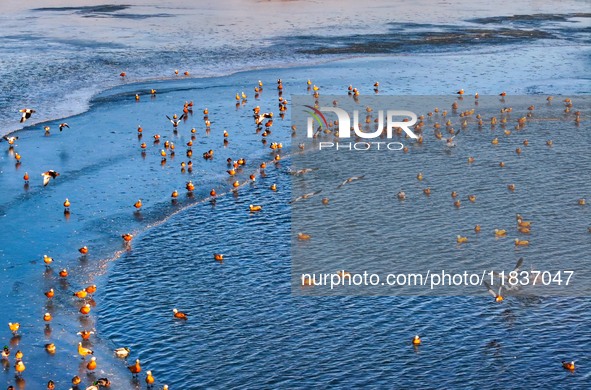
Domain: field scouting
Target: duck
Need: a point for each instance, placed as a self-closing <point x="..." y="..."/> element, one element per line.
<point x="497" y="295"/>
<point x="26" y="177"/>
<point x="47" y="260"/>
<point x="63" y="273"/>
<point x="49" y="294"/>
<point x="18" y="355"/>
<point x="11" y="140"/>
<point x="273" y="187"/>
<point x="519" y="242"/>
<point x="83" y="250"/>
<point x="236" y="184"/>
<point x="325" y="201"/>
<point x="254" y="208"/>
<point x="569" y="365"/>
<point x="427" y="191"/>
<point x="174" y="194"/>
<point x="472" y="198"/>
<point x="190" y="186"/>
<point x="500" y="232"/>
<point x="477" y="228"/>
<point x="471" y="160"/>
<point x="127" y="237"/>
<point x="84" y="351"/>
<point x="67" y="204"/>
<point x="26" y="113"/>
<point x="218" y="256"/>
<point x="522" y="223"/>
<point x="457" y="203"/>
<point x="50" y="348"/>
<point x="91" y="289"/>
<point x="14" y="327"/>
<point x="80" y="294"/>
<point x="454" y="194"/>
<point x="85" y="310"/>
<point x="179" y="314"/>
<point x="401" y="195"/>
<point x="495" y="141"/>
<point x="91" y="366"/>
<point x="461" y="239"/>
<point x="103" y="382"/>
<point x="417" y="340"/>
<point x="304" y="236"/>
<point x="138" y="204"/>
<point x="76" y="380"/>
<point x="420" y="176"/>
<point x="47" y="317"/>
<point x="582" y="202"/>
<point x="135" y="368"/>
<point x="511" y="187"/>
<point x="19" y="367"/>
<point x="149" y="378"/>
<point x="47" y="175"/>
<point x="5" y="353"/>
<point x="122" y="352"/>
<point x="85" y="334"/>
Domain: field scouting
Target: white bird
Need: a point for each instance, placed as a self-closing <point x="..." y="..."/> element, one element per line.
<point x="351" y="179"/>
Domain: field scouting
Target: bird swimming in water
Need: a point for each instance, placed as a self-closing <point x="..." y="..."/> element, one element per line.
<point x="569" y="365"/>
<point x="179" y="314"/>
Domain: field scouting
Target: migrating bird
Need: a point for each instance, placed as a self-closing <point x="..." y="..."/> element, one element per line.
<point x="507" y="276"/>
<point x="175" y="122"/>
<point x="498" y="296"/>
<point x="51" y="174"/>
<point x="62" y="125"/>
<point x="449" y="142"/>
<point x="27" y="112"/>
<point x="300" y="172"/>
<point x="350" y="180"/>
<point x="10" y="140"/>
<point x="305" y="196"/>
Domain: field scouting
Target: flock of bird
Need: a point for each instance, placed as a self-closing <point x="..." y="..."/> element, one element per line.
<point x="263" y="122"/>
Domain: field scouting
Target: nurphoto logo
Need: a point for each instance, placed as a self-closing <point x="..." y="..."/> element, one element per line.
<point x="345" y="129"/>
